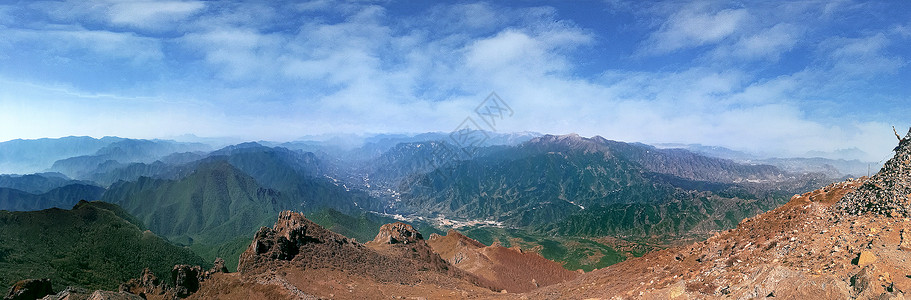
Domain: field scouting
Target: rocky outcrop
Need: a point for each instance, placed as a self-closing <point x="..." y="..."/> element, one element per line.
<point x="889" y="191"/>
<point x="398" y="232"/>
<point x="32" y="289"/>
<point x="218" y="266"/>
<point x="186" y="279"/>
<point x="293" y="234"/>
<point x="402" y="240"/>
<point x="29" y="289"/>
<point x="146" y="284"/>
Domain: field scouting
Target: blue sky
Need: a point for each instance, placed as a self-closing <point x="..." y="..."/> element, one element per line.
<point x="780" y="77"/>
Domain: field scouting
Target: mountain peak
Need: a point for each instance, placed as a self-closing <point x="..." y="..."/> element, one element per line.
<point x="889" y="191"/>
<point x="559" y="138"/>
<point x="572" y="141"/>
<point x="239" y="147"/>
<point x="291" y="235"/>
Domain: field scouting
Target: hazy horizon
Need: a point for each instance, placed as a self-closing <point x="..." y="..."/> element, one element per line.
<point x="784" y="78"/>
<point x="356" y="140"/>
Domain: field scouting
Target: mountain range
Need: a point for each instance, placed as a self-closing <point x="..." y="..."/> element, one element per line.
<point x="582" y="203"/>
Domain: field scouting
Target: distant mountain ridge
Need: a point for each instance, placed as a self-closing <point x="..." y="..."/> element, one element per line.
<point x="297" y="174"/>
<point x="61" y="197"/>
<point x="842" y="165"/>
<point x="123" y="151"/>
<point x="37" y="183"/>
<point x="676" y="162"/>
<point x="30" y="156"/>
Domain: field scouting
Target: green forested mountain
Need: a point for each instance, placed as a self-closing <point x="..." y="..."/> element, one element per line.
<point x="111" y="171"/>
<point x="61" y="197"/>
<point x="95" y="245"/>
<point x="578" y="186"/>
<point x="298" y="175"/>
<point x="215" y="203"/>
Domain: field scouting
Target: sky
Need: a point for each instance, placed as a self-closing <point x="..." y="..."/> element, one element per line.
<point x="778" y="77"/>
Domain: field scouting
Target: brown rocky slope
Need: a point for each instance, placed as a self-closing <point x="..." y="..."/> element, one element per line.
<point x="511" y="269"/>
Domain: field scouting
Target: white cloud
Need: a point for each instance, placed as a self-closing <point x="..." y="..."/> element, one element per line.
<point x="860" y="56"/>
<point x="152" y="14"/>
<point x="768" y="44"/>
<point x="507" y="49"/>
<point x="902" y="30"/>
<point x="67" y="43"/>
<point x="694" y="25"/>
<point x="237" y="53"/>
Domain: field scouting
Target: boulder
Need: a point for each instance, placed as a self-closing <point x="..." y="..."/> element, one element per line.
<point x="865" y="258"/>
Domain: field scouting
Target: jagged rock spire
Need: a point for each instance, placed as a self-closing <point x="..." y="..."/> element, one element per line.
<point x="889" y="191"/>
